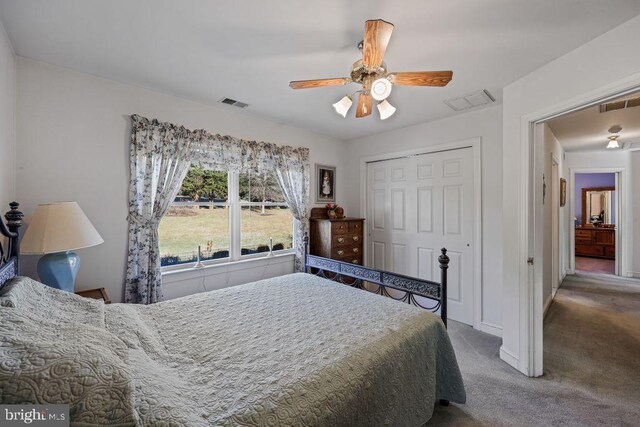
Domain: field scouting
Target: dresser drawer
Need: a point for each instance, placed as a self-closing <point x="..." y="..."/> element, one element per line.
<point x="610" y="251"/>
<point x="353" y="259"/>
<point x="345" y="239"/>
<point x="355" y="227"/>
<point x="582" y="241"/>
<point x="605" y="237"/>
<point x="339" y="227"/>
<point x="346" y="251"/>
<point x="583" y="234"/>
<point x="589" y="250"/>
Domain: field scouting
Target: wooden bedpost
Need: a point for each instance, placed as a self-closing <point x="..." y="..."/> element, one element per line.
<point x="14" y="222"/>
<point x="306" y="250"/>
<point x="444" y="265"/>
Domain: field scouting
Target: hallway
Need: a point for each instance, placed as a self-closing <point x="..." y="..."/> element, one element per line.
<point x="592" y="336"/>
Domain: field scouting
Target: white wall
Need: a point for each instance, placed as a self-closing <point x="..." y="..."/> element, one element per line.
<point x="73" y="131"/>
<point x="485" y="123"/>
<point x="552" y="147"/>
<point x="7" y="121"/>
<point x="569" y="76"/>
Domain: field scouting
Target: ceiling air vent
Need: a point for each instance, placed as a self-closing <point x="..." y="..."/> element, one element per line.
<point x="233" y="102"/>
<point x="620" y="105"/>
<point x="470" y="100"/>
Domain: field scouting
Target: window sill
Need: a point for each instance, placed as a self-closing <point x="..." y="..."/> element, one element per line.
<point x="178" y="273"/>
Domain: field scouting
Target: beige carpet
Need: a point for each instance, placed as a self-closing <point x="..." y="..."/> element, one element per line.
<point x="591" y="364"/>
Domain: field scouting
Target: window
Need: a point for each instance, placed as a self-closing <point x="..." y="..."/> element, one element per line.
<point x="229" y="216"/>
<point x="264" y="214"/>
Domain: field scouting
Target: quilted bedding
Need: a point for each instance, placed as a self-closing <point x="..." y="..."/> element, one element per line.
<point x="292" y="350"/>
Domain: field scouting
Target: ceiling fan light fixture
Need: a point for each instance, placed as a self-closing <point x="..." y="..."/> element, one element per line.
<point x="386" y="110"/>
<point x="342" y="106"/>
<point x="381" y="89"/>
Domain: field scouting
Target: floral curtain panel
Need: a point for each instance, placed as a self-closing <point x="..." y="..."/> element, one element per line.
<point x="292" y="171"/>
<point x="160" y="158"/>
<point x="161" y="154"/>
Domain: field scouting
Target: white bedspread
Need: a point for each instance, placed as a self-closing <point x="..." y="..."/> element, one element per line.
<point x="293" y="350"/>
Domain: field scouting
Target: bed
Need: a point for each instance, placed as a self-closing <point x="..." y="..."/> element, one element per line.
<point x="293" y="350"/>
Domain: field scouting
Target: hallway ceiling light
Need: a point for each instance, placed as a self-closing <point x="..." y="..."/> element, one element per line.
<point x="613" y="138"/>
<point x="613" y="142"/>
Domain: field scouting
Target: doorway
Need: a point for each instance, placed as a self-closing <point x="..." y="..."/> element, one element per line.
<point x="595" y="137"/>
<point x="596" y="214"/>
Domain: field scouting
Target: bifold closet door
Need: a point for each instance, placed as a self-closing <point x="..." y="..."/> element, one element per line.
<point x="417" y="205"/>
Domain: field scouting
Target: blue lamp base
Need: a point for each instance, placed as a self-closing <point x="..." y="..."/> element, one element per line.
<point x="59" y="270"/>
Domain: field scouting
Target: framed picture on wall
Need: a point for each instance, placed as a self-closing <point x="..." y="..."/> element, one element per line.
<point x="325" y="184"/>
<point x="563" y="192"/>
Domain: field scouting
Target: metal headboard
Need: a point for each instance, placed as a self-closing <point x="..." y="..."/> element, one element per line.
<point x="358" y="276"/>
<point x="10" y="255"/>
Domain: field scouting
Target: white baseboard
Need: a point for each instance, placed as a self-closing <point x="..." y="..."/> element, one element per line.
<point x="547" y="304"/>
<point x="490" y="328"/>
<point x="509" y="357"/>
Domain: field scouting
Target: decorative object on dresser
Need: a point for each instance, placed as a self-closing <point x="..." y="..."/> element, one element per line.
<point x="597" y="242"/>
<point x="334" y="211"/>
<point x="55" y="231"/>
<point x="97" y="293"/>
<point x="325" y="184"/>
<point x="339" y="239"/>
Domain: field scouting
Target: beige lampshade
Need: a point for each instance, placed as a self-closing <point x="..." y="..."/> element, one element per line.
<point x="58" y="227"/>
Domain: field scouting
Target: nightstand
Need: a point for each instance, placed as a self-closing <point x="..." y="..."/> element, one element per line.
<point x="98" y="293"/>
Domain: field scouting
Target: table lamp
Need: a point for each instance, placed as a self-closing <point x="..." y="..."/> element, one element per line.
<point x="55" y="231"/>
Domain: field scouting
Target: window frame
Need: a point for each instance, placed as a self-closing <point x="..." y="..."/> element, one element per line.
<point x="234" y="208"/>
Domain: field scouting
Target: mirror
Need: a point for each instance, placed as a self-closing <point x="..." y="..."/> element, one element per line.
<point x="598" y="205"/>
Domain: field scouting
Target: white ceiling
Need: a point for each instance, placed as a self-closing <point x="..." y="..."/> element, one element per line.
<point x="249" y="50"/>
<point x="587" y="130"/>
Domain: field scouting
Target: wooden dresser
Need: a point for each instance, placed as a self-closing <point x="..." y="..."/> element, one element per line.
<point x="340" y="239"/>
<point x="596" y="242"/>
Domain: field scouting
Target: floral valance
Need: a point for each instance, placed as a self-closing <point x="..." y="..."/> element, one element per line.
<point x="216" y="151"/>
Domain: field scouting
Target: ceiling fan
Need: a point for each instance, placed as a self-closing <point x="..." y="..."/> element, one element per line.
<point x="371" y="72"/>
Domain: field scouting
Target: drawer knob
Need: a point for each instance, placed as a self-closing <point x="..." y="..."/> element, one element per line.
<point x="356" y="238"/>
<point x="340" y="239"/>
<point x="355" y="250"/>
<point x="340" y="252"/>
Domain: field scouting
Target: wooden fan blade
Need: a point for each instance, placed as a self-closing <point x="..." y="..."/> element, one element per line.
<point x="308" y="84"/>
<point x="421" y="78"/>
<point x="376" y="38"/>
<point x="365" y="105"/>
